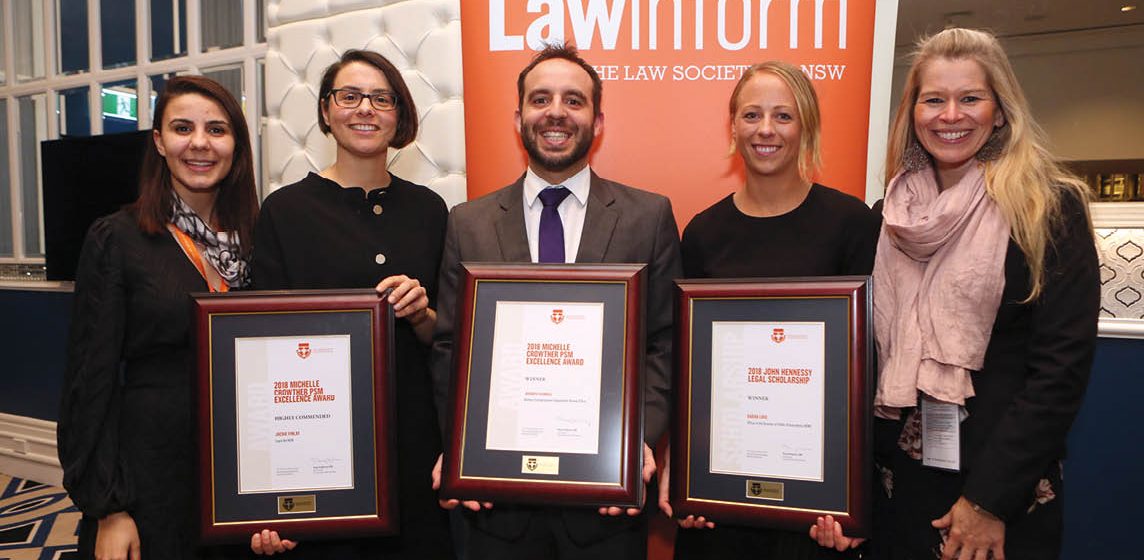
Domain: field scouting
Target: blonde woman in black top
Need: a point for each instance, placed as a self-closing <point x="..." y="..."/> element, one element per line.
<point x="778" y="223"/>
<point x="986" y="294"/>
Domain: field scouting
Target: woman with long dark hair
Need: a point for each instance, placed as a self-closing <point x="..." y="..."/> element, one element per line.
<point x="125" y="430"/>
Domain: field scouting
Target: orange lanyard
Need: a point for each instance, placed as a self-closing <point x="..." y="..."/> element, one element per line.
<point x="196" y="257"/>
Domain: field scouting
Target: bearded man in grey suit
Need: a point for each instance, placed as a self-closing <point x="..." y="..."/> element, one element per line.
<point x="558" y="118"/>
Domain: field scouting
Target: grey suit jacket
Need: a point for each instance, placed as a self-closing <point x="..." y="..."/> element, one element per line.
<point x="621" y="225"/>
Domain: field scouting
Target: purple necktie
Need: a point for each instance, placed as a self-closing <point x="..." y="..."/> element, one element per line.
<point x="551" y="229"/>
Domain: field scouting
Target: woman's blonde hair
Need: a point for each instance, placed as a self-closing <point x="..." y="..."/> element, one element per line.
<point x="806" y="103"/>
<point x="1025" y="180"/>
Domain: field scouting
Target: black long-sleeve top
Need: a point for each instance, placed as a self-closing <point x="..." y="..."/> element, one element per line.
<point x="1036" y="369"/>
<point x="125" y="429"/>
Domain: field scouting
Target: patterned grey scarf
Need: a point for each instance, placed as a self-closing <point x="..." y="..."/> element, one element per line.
<point x="222" y="249"/>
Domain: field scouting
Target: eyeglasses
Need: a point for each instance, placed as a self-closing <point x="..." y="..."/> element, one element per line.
<point x="351" y="99"/>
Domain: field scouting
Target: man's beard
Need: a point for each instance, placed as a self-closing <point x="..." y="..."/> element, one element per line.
<point x="583" y="144"/>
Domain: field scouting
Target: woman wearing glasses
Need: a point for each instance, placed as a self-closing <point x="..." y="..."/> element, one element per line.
<point x="354" y="225"/>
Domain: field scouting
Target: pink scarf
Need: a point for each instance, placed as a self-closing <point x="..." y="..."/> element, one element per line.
<point x="938" y="277"/>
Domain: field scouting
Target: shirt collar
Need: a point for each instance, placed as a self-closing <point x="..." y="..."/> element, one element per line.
<point x="578" y="184"/>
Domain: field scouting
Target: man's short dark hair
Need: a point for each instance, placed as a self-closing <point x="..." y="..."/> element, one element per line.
<point x="563" y="52"/>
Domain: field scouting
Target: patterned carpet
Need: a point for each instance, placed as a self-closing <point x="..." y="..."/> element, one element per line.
<point x="37" y="521"/>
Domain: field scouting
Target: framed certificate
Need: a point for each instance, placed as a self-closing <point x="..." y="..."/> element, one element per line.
<point x="295" y="414"/>
<point x="546" y="401"/>
<point x="773" y="402"/>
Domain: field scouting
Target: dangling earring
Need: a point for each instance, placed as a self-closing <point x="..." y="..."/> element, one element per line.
<point x="916" y="157"/>
<point x="991" y="150"/>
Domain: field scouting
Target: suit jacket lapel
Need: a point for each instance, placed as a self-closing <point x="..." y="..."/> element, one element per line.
<point x="599" y="222"/>
<point x="511" y="235"/>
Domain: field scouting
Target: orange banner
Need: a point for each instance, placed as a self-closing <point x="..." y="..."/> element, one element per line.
<point x="668" y="68"/>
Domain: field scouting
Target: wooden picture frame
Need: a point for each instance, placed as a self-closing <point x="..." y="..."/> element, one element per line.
<point x="769" y="430"/>
<point x="296" y="423"/>
<point x="546" y="336"/>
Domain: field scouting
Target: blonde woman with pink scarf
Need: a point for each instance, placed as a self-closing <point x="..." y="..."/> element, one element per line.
<point x="986" y="294"/>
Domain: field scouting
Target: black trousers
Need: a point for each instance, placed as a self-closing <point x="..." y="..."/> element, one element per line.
<point x="546" y="538"/>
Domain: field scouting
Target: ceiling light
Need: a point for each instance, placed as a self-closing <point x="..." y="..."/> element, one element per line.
<point x="1128" y="7"/>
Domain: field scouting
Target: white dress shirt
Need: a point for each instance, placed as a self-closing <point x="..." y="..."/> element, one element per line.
<point x="571" y="210"/>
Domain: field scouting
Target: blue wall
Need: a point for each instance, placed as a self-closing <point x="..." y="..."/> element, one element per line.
<point x="1106" y="458"/>
<point x="33" y="351"/>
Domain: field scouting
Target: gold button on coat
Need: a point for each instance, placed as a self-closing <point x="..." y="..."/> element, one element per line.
<point x="377" y="209"/>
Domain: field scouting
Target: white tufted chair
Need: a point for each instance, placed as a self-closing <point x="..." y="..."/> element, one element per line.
<point x="421" y="37"/>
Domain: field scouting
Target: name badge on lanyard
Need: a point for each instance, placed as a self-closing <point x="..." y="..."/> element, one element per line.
<point x="941" y="434"/>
